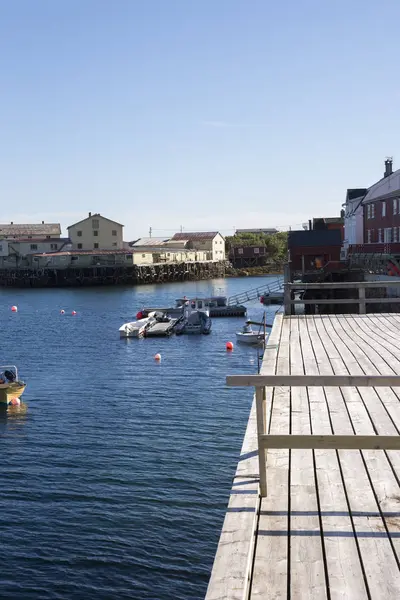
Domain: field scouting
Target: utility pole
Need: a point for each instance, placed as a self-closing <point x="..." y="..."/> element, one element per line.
<point x="150" y="230"/>
<point x="181" y="229"/>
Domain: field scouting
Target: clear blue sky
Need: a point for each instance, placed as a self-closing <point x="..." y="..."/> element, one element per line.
<point x="208" y="114"/>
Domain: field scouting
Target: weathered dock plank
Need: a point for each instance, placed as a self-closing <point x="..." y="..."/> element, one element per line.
<point x="270" y="573"/>
<point x="230" y="577"/>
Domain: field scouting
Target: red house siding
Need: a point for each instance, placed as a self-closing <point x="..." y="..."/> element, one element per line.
<point x="305" y="256"/>
<point x="388" y="218"/>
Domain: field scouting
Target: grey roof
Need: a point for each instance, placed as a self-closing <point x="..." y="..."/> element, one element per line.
<point x="147" y="241"/>
<point x="315" y="237"/>
<point x="15" y="229"/>
<point x="187" y="236"/>
<point x="266" y="230"/>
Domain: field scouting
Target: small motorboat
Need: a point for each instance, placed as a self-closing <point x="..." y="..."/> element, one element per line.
<point x="11" y="388"/>
<point x="196" y="319"/>
<point x="248" y="336"/>
<point x="137" y="328"/>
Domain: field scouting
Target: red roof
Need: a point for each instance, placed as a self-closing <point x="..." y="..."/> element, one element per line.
<point x="83" y="252"/>
<point x="194" y="235"/>
<point x="38" y="240"/>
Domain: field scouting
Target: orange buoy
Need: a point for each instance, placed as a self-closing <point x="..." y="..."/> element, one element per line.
<point x="229" y="345"/>
<point x="157" y="357"/>
<point x="73" y="313"/>
<point x="62" y="311"/>
<point x="14" y="309"/>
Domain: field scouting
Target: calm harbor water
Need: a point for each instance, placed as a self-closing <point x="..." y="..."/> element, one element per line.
<point x="115" y="480"/>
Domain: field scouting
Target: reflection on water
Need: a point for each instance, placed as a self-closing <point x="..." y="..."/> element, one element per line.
<point x="12" y="415"/>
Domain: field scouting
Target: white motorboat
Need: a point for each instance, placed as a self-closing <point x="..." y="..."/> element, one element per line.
<point x="248" y="336"/>
<point x="137" y="328"/>
<point x="196" y="318"/>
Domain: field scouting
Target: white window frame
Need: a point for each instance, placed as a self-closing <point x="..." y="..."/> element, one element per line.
<point x="379" y="236"/>
<point x="368" y="211"/>
<point x="395" y="206"/>
<point x="387" y="235"/>
<point x="372" y="211"/>
<point x="395" y="236"/>
<point x="369" y="236"/>
<point x="383" y="208"/>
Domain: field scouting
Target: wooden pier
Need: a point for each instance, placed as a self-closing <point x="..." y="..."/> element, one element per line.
<point x="314" y="510"/>
<point x="111" y="275"/>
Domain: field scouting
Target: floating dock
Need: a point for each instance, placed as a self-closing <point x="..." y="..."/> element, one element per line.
<point x="314" y="510"/>
<point x="161" y="329"/>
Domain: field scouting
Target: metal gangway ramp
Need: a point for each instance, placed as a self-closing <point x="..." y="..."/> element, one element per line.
<point x="273" y="287"/>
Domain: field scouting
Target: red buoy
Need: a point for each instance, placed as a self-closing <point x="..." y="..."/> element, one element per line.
<point x="229" y="345"/>
<point x="139" y="315"/>
<point x="14" y="309"/>
<point x="73" y="313"/>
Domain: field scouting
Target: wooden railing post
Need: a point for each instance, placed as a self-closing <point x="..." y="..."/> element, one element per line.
<point x="361" y="298"/>
<point x="260" y="432"/>
<point x="287" y="297"/>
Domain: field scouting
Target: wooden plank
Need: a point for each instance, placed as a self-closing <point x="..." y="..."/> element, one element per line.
<point x="346" y="301"/>
<point x="374" y="545"/>
<point x="307" y="566"/>
<point x="381" y="469"/>
<point x="271" y="558"/>
<point x="261" y="451"/>
<point x="333" y="442"/>
<point x="343" y="285"/>
<point x="313" y="380"/>
<point x="344" y="569"/>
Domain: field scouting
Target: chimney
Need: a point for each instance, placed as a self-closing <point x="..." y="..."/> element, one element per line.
<point x="12" y="223"/>
<point x="90" y="214"/>
<point x="310" y="225"/>
<point x="42" y="222"/>
<point x="388" y="166"/>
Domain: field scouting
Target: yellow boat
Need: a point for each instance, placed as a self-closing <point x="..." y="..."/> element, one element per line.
<point x="11" y="389"/>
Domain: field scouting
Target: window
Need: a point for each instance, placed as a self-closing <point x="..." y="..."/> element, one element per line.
<point x="79" y="233"/>
<point x="369" y="236"/>
<point x="33" y="246"/>
<point x="372" y="211"/>
<point x="256" y="250"/>
<point x="53" y="246"/>
<point x="368" y="211"/>
<point x="143" y="256"/>
<point x="379" y="236"/>
<point x="240" y="250"/>
<point x="395" y="234"/>
<point x="395" y="206"/>
<point x="75" y="257"/>
<point x="114" y="232"/>
<point x="79" y="246"/>
<point x="29" y="237"/>
<point x="387" y="235"/>
<point x="384" y="208"/>
<point x="95" y="245"/>
<point x="128" y="256"/>
<point x="114" y="243"/>
<point x="95" y="223"/>
<point x="95" y="233"/>
<point x="48" y="237"/>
